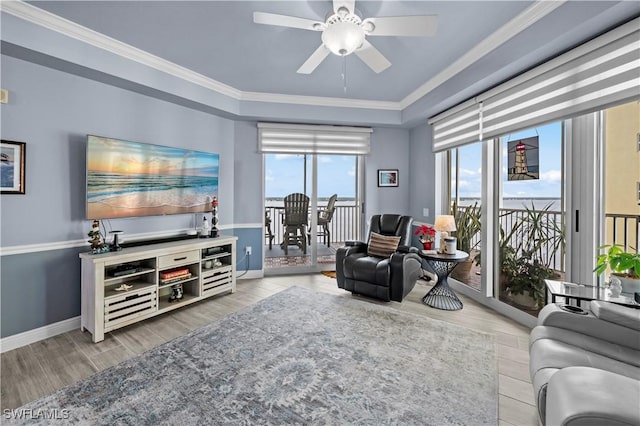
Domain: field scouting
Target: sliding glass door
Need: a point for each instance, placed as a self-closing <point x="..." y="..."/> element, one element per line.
<point x="331" y="183"/>
<point x="530" y="240"/>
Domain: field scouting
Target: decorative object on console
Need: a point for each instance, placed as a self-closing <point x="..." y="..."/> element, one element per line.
<point x="214" y="217"/>
<point x="206" y="228"/>
<point x="176" y="292"/>
<point x="12" y="162"/>
<point x="115" y="245"/>
<point x="444" y="224"/>
<point x="615" y="286"/>
<point x="427" y="234"/>
<point x="124" y="287"/>
<point x="97" y="244"/>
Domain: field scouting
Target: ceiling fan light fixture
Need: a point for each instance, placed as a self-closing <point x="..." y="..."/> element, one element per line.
<point x="343" y="38"/>
<point x="368" y="26"/>
<point x="342" y="12"/>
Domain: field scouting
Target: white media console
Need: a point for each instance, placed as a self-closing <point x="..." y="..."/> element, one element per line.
<point x="151" y="275"/>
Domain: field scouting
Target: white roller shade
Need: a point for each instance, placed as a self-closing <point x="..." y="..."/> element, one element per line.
<point x="309" y="139"/>
<point x="600" y="73"/>
<point x="457" y="127"/>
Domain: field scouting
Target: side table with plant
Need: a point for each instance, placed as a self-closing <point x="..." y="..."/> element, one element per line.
<point x="625" y="266"/>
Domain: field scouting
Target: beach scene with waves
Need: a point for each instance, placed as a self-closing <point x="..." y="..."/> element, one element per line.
<point x="127" y="179"/>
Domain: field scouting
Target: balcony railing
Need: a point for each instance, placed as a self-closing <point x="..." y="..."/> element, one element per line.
<point x="624" y="230"/>
<point x="344" y="226"/>
<point x="621" y="229"/>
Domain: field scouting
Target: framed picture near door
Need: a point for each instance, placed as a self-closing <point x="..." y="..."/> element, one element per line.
<point x="387" y="177"/>
<point x="12" y="155"/>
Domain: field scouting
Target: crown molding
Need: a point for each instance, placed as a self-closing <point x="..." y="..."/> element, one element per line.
<point x="53" y="22"/>
<point x="528" y="17"/>
<point x="320" y="101"/>
<point x="76" y="31"/>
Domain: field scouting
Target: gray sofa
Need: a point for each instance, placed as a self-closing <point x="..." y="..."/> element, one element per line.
<point x="585" y="369"/>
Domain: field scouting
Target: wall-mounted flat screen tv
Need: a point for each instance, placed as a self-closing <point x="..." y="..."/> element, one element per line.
<point x="126" y="179"/>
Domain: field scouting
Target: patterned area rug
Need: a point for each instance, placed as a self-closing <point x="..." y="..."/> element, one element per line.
<point x="298" y="357"/>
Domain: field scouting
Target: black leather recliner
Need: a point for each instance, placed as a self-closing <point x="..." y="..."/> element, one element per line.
<point x="390" y="278"/>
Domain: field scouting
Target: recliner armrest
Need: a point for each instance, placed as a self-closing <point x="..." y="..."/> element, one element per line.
<point x="617" y="314"/>
<point x="355" y="243"/>
<point x="590" y="396"/>
<point x="590" y="325"/>
<point x="408" y="249"/>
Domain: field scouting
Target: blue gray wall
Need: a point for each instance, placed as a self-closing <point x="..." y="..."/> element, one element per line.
<point x="422" y="174"/>
<point x="53" y="111"/>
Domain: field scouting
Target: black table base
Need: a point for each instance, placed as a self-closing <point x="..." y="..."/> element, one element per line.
<point x="442" y="297"/>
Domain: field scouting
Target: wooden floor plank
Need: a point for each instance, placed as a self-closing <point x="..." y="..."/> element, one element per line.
<point x="61" y="363"/>
<point x="515" y="412"/>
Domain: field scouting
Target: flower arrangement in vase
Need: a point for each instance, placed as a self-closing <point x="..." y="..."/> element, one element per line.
<point x="427" y="235"/>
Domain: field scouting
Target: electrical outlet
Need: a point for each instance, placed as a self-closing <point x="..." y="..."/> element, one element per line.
<point x="425" y="212"/>
<point x="247" y="250"/>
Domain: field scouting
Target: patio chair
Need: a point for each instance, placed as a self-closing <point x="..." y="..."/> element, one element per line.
<point x="267" y="223"/>
<point x="324" y="219"/>
<point x="295" y="221"/>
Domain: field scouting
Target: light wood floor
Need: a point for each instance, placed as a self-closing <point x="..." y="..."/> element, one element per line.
<point x="41" y="368"/>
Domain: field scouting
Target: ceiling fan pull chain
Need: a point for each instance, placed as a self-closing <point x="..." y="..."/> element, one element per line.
<point x="344" y="73"/>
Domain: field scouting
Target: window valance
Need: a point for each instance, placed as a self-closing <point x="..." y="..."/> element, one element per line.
<point x="311" y="139"/>
<point x="596" y="75"/>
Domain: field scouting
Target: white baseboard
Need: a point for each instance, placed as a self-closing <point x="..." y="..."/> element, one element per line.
<point x="37" y="334"/>
<point x="250" y="275"/>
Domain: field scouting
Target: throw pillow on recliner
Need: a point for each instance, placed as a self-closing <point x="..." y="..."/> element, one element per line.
<point x="382" y="245"/>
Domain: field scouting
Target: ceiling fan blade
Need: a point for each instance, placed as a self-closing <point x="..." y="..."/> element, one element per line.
<point x="424" y="25"/>
<point x="314" y="60"/>
<point x="286" y="21"/>
<point x="349" y="4"/>
<point x="372" y="57"/>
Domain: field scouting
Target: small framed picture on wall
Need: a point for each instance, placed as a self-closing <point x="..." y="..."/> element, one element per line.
<point x="387" y="177"/>
<point x="12" y="155"/>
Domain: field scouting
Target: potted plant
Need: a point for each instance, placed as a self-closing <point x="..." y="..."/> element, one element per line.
<point x="468" y="225"/>
<point x="526" y="254"/>
<point x="426" y="234"/>
<point x="626" y="266"/>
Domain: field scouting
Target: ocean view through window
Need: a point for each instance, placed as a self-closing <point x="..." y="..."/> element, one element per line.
<point x="335" y="175"/>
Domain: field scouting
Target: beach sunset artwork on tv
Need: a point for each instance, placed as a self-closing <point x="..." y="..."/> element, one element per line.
<point x="126" y="179"/>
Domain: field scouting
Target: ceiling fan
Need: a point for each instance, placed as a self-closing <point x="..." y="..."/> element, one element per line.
<point x="344" y="33"/>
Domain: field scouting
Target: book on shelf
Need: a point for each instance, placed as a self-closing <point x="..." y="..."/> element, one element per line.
<point x="175" y="279"/>
<point x="165" y="275"/>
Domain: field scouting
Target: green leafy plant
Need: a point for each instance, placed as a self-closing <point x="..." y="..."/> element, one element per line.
<point x="618" y="261"/>
<point x="467" y="226"/>
<point x="527" y="252"/>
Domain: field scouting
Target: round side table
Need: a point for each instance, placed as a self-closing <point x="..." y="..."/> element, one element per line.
<point x="441" y="296"/>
